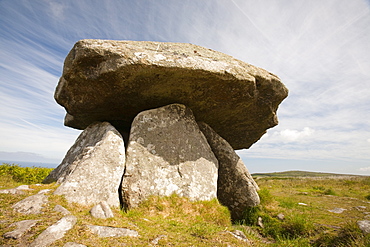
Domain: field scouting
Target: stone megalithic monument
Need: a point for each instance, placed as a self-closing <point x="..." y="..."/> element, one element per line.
<point x="162" y="118"/>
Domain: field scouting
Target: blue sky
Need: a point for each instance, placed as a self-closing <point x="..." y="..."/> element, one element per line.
<point x="319" y="48"/>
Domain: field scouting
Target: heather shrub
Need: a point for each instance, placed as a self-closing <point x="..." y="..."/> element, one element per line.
<point x="25" y="175"/>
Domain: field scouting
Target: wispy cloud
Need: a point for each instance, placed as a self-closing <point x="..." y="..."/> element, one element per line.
<point x="318" y="49"/>
<point x="365" y="169"/>
<point x="57" y="9"/>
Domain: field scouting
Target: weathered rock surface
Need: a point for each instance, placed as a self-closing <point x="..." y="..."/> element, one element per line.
<point x="16" y="191"/>
<point x="92" y="169"/>
<point x="259" y="222"/>
<point x="102" y="211"/>
<point x="236" y="188"/>
<point x="166" y="154"/>
<point x="73" y="244"/>
<point x="364" y="225"/>
<point x="113" y="81"/>
<point x="23" y="187"/>
<point x="239" y="235"/>
<point x="360" y="208"/>
<point x="13" y="191"/>
<point x="280" y="216"/>
<point x="157" y="239"/>
<point x="31" y="205"/>
<point x="21" y="227"/>
<point x="62" y="210"/>
<point x="337" y="210"/>
<point x="107" y="231"/>
<point x="45" y="191"/>
<point x="54" y="232"/>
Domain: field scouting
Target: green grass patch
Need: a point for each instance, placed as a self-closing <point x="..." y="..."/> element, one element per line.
<point x="348" y="235"/>
<point x="311" y="223"/>
<point x="26" y="175"/>
<point x="181" y="221"/>
<point x="296" y="174"/>
<point x="207" y="223"/>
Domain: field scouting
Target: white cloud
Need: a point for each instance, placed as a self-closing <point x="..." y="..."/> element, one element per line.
<point x="295" y="135"/>
<point x="57" y="9"/>
<point x="365" y="169"/>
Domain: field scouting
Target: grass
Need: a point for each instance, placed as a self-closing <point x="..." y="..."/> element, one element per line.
<point x="296" y="174"/>
<point x="180" y="222"/>
<point x="305" y="203"/>
<point x="13" y="174"/>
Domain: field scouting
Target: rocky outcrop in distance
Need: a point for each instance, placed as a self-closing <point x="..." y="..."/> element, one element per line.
<point x="161" y="118"/>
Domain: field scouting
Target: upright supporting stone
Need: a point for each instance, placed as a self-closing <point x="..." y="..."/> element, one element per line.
<point x="92" y="170"/>
<point x="166" y="154"/>
<point x="236" y="188"/>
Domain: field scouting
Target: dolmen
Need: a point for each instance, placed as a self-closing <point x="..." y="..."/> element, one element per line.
<point x="160" y="119"/>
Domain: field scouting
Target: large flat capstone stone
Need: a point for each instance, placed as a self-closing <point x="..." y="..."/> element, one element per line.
<point x="166" y="154"/>
<point x="113" y="81"/>
<point x="92" y="169"/>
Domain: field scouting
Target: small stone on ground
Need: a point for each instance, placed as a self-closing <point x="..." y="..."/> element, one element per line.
<point x="106" y="231"/>
<point x="364" y="225"/>
<point x="54" y="232"/>
<point x="239" y="235"/>
<point x="156" y="240"/>
<point x="62" y="210"/>
<point x="12" y="191"/>
<point x="22" y="227"/>
<point x="73" y="244"/>
<point x="31" y="205"/>
<point x="102" y="211"/>
<point x="23" y="187"/>
<point x="337" y="210"/>
<point x="280" y="216"/>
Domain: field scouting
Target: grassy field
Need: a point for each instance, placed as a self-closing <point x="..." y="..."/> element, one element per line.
<point x="304" y="202"/>
<point x="295" y="174"/>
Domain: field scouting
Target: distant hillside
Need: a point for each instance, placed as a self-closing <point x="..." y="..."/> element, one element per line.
<point x="298" y="174"/>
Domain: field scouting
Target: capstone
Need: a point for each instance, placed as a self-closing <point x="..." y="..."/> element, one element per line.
<point x="105" y="80"/>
